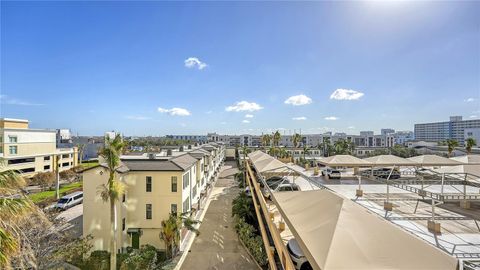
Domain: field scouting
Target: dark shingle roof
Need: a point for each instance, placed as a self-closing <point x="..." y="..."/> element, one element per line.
<point x="184" y="161"/>
<point x="151" y="165"/>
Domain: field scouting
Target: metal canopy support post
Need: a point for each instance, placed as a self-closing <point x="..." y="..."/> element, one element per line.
<point x="387" y="205"/>
<point x="443" y="183"/>
<point x="432" y="225"/>
<point x="359" y="191"/>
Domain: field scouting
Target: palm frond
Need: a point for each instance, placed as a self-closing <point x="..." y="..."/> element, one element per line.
<point x="8" y="246"/>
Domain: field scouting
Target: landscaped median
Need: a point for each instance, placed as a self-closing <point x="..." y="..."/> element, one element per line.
<point x="45" y="197"/>
<point x="246" y="225"/>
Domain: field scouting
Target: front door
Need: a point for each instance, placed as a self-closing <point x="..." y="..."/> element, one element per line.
<point x="136" y="240"/>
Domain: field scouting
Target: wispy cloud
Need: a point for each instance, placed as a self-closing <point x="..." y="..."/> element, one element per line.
<point x="331" y="118"/>
<point x="298" y="100"/>
<point x="473" y="116"/>
<point x="194" y="62"/>
<point x="209" y="112"/>
<point x="137" y="117"/>
<point x="248" y="115"/>
<point x="175" y="111"/>
<point x="246" y="121"/>
<point x="346" y="94"/>
<point x="301" y="118"/>
<point x="351" y="127"/>
<point x="183" y="124"/>
<point x="4" y="99"/>
<point x="243" y="106"/>
<point x="471" y="99"/>
<point x="223" y="123"/>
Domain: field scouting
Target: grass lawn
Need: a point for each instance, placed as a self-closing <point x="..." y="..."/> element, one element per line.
<point x="87" y="165"/>
<point x="45" y="196"/>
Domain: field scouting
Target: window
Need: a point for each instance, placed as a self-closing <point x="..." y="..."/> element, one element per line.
<point x="123" y="224"/>
<point x="194" y="190"/>
<point x="186" y="180"/>
<point x="149" y="184"/>
<point x="21" y="160"/>
<point x="46" y="158"/>
<point x="148" y="213"/>
<point x="46" y="167"/>
<point x="65" y="164"/>
<point x="186" y="205"/>
<point x="26" y="170"/>
<point x="174" y="184"/>
<point x="12" y="139"/>
<point x="13" y="149"/>
<point x="173" y="208"/>
<point x="124" y="197"/>
<point x="65" y="156"/>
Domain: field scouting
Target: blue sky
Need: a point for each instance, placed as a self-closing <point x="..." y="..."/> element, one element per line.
<point x="151" y="68"/>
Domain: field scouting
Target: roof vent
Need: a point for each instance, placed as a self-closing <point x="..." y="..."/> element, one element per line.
<point x="181" y="148"/>
<point x="151" y="155"/>
<point x="189" y="146"/>
<point x="169" y="152"/>
<point x="196" y="144"/>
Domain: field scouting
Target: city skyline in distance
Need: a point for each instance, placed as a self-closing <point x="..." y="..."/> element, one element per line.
<point x="168" y="68"/>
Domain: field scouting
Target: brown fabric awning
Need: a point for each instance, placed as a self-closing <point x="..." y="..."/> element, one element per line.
<point x="344" y="161"/>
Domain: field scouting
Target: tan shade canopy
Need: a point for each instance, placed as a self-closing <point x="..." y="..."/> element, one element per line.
<point x="433" y="160"/>
<point x="336" y="233"/>
<point x="390" y="160"/>
<point x="344" y="160"/>
<point x="265" y="163"/>
<point x="254" y="155"/>
<point x="471" y="165"/>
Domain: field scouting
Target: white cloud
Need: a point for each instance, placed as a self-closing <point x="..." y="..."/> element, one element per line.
<point x="246" y="121"/>
<point x="298" y="100"/>
<point x="470" y="99"/>
<point x="242" y="106"/>
<point x="346" y="94"/>
<point x="223" y="123"/>
<point x="137" y="117"/>
<point x="351" y="127"/>
<point x="183" y="124"/>
<point x="331" y="118"/>
<point x="4" y="99"/>
<point x="301" y="118"/>
<point x="248" y="115"/>
<point x="194" y="62"/>
<point x="175" y="111"/>
<point x="473" y="116"/>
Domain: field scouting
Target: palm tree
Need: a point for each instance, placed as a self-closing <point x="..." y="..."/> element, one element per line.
<point x="13" y="206"/>
<point x="296" y="138"/>
<point x="276" y="138"/>
<point x="113" y="190"/>
<point x="266" y="139"/>
<point x="81" y="150"/>
<point x="325" y="146"/>
<point x="469" y="144"/>
<point x="306" y="151"/>
<point x="171" y="228"/>
<point x="451" y="146"/>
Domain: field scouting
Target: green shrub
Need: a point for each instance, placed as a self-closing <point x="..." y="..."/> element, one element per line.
<point x="147" y="257"/>
<point x="99" y="260"/>
<point x="252" y="241"/>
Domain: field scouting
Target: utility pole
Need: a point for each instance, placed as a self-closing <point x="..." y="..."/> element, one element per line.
<point x="57" y="175"/>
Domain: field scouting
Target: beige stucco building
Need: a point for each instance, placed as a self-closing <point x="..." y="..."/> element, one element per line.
<point x="30" y="151"/>
<point x="156" y="185"/>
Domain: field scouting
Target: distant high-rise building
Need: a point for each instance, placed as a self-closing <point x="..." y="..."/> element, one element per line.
<point x="386" y="131"/>
<point x="441" y="131"/>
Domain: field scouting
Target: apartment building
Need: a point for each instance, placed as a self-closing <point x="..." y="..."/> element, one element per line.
<point x="441" y="131"/>
<point x="30" y="151"/>
<point x="174" y="180"/>
<point x="193" y="138"/>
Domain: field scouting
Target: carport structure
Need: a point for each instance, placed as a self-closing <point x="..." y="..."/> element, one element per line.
<point x="336" y="233"/>
<point x="421" y="179"/>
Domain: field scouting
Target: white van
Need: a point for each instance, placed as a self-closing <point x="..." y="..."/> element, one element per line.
<point x="70" y="200"/>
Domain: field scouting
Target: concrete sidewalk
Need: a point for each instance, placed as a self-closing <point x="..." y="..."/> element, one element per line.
<point x="218" y="246"/>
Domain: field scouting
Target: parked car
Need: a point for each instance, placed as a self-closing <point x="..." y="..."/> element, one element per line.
<point x="287" y="187"/>
<point x="382" y="173"/>
<point x="331" y="173"/>
<point x="275" y="181"/>
<point x="69" y="200"/>
<point x="298" y="258"/>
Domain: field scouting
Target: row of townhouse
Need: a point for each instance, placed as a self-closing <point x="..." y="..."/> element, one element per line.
<point x="365" y="139"/>
<point x="156" y="184"/>
<point x="30" y="151"/>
